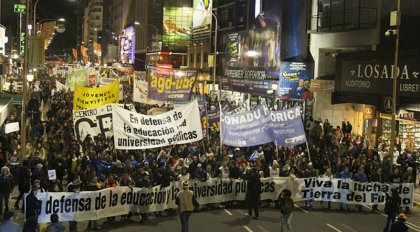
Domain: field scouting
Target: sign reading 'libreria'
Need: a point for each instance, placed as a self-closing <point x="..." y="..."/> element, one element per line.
<point x="376" y="77"/>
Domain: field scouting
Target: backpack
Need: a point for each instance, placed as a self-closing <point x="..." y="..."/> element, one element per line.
<point x="287" y="206"/>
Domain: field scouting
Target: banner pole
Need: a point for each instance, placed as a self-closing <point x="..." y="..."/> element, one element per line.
<point x="309" y="153"/>
<point x="220" y="127"/>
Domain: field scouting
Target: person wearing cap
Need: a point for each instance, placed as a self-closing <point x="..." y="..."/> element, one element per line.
<point x="186" y="202"/>
<point x="399" y="225"/>
<point x="8" y="224"/>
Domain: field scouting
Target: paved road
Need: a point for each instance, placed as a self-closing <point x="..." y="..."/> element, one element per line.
<point x="234" y="219"/>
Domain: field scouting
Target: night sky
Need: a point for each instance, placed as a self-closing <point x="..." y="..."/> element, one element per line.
<point x="46" y="9"/>
<point x="60" y="9"/>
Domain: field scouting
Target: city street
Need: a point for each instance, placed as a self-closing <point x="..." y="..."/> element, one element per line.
<point x="234" y="219"/>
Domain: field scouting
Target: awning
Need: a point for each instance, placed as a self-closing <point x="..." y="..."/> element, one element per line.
<point x="6" y="107"/>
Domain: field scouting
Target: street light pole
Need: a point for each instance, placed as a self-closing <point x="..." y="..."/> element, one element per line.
<point x="34" y="19"/>
<point x="24" y="89"/>
<point x="394" y="85"/>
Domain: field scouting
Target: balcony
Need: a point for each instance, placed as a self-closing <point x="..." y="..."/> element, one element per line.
<point x="343" y="15"/>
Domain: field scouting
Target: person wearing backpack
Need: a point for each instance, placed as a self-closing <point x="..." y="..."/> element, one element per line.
<point x="392" y="204"/>
<point x="286" y="208"/>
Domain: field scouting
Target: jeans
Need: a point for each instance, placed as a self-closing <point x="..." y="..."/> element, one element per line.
<point x="389" y="220"/>
<point x="184" y="217"/>
<point x="286" y="222"/>
<point x="5" y="196"/>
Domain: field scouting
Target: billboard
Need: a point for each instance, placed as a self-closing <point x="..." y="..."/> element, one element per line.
<point x="127" y="45"/>
<point x="295" y="80"/>
<point x="252" y="59"/>
<point x="200" y="17"/>
<point x="177" y="24"/>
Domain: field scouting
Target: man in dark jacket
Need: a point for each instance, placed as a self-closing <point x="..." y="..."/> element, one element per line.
<point x="24" y="180"/>
<point x="253" y="191"/>
<point x="392" y="206"/>
<point x="33" y="205"/>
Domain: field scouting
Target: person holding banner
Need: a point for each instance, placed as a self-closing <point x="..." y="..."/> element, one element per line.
<point x="253" y="193"/>
<point x="186" y="202"/>
<point x="93" y="185"/>
<point x="74" y="187"/>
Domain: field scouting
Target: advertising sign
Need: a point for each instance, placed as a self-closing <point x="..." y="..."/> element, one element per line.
<point x="177" y="24"/>
<point x="252" y="59"/>
<point x="170" y="84"/>
<point x="376" y="77"/>
<point x="127" y="45"/>
<point x="295" y="80"/>
<point x="202" y="12"/>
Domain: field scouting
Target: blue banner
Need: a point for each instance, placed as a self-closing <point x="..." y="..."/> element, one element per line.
<point x="287" y="127"/>
<point x="247" y="129"/>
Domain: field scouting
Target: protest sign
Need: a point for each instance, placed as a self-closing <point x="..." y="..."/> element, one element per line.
<point x="106" y="81"/>
<point x="61" y="87"/>
<point x="138" y="131"/>
<point x="52" y="175"/>
<point x="122" y="200"/>
<point x="95" y="121"/>
<point x="76" y="77"/>
<point x="247" y="129"/>
<point x="170" y="84"/>
<point x="213" y="119"/>
<point x="86" y="98"/>
<point x="287" y="127"/>
<point x="11" y="127"/>
<point x="141" y="91"/>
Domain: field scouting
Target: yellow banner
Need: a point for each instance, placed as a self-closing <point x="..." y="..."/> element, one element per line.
<point x="86" y="98"/>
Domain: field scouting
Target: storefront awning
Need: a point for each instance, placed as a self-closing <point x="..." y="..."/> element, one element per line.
<point x="6" y="107"/>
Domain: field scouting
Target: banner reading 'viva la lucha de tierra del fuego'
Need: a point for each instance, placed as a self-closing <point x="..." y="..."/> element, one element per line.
<point x="116" y="201"/>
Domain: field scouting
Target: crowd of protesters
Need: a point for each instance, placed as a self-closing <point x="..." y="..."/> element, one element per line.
<point x="333" y="152"/>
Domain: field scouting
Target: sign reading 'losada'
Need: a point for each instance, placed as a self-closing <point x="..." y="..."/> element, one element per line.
<point x="376" y="77"/>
